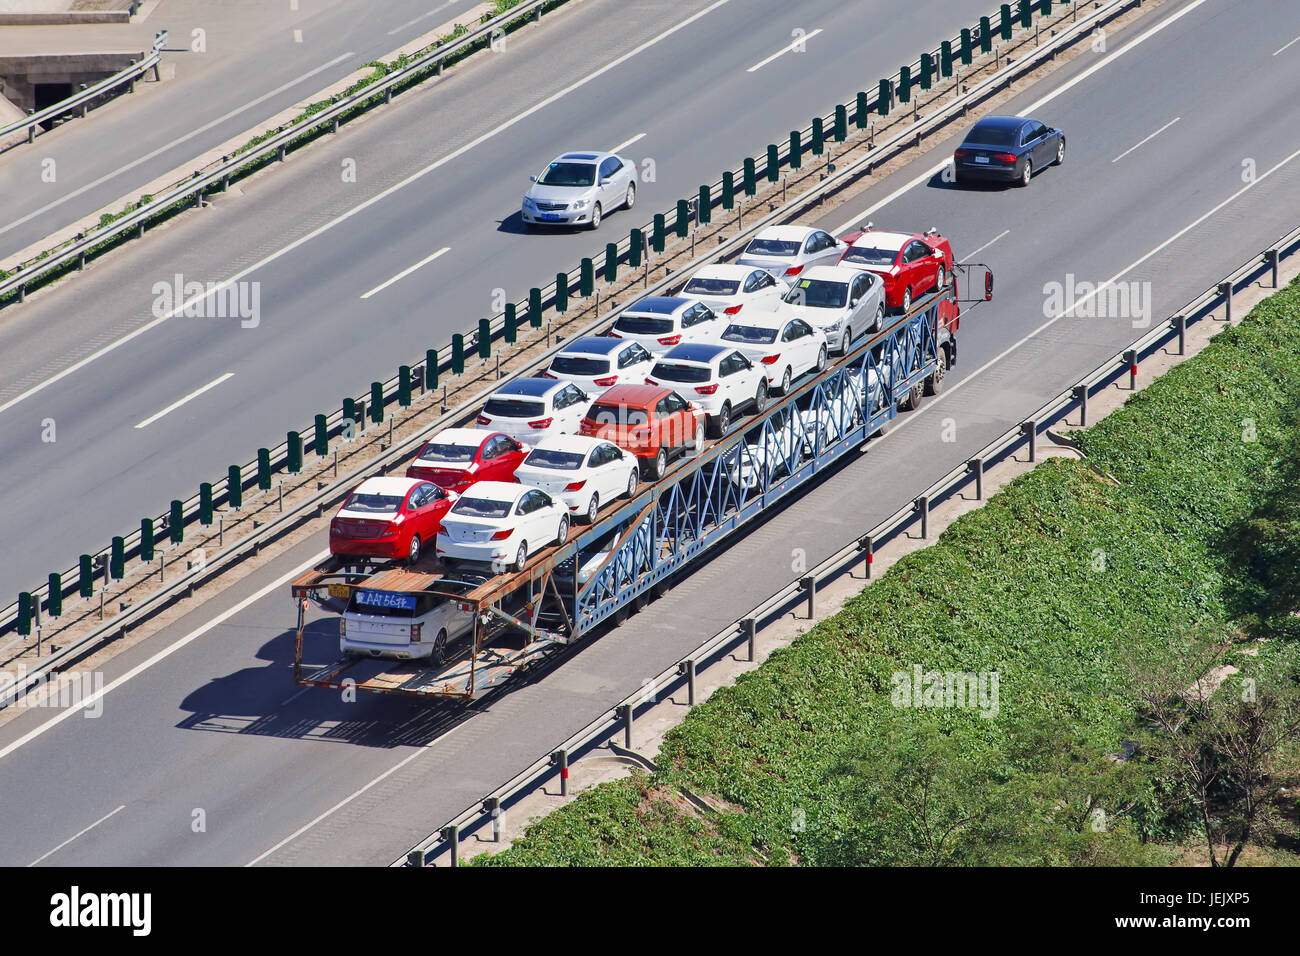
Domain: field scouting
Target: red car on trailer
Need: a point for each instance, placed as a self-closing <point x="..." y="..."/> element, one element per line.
<point x="910" y="263"/>
<point x="455" y="458"/>
<point x="390" y="518"/>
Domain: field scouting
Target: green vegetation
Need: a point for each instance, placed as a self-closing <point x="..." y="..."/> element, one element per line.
<point x="1097" y="602"/>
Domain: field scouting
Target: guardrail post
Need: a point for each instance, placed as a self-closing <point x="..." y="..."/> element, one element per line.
<point x="1029" y="429"/>
<point x="611" y="262"/>
<point x="25" y="613"/>
<point x="635" y="248"/>
<point x="927" y="68"/>
<point x="796" y="149"/>
<point x="234" y="487"/>
<point x="625" y="713"/>
<point x="54" y="600"/>
<point x="85" y="576"/>
<point x="322" y="438"/>
<point x="415" y="859"/>
<point x="264" y="469"/>
<point x="904" y="84"/>
<point x="31" y="130"/>
<point x="976" y="467"/>
<point x="867" y="545"/>
<point x="293" y="454"/>
<point x="986" y="35"/>
<point x="1005" y="11"/>
<point x="841" y="123"/>
<point x="1081" y="396"/>
<point x="1225" y="290"/>
<point x="883" y="98"/>
<point x="809" y="585"/>
<point x="728" y="190"/>
<point x="687" y="669"/>
<point x="1179" y="322"/>
<point x="452" y="835"/>
<point x="704" y="208"/>
<point x="404" y="386"/>
<point x="773" y="166"/>
<point x="1270" y="257"/>
<point x="492" y="807"/>
<point x="117" y="558"/>
<point x="657" y="235"/>
<point x="1026" y="16"/>
<point x="376" y="401"/>
<point x="945" y="59"/>
<point x="146" y="539"/>
<point x="965" y="46"/>
<point x="205" y="503"/>
<point x="511" y="332"/>
<point x="350" y="413"/>
<point x="561" y="292"/>
<point x="1131" y="360"/>
<point x="560" y="759"/>
<point x="818" y="136"/>
<point x="484" y="339"/>
<point x="861" y="110"/>
<point x="535" y="307"/>
<point x="586" y="277"/>
<point x="683" y="223"/>
<point x="922" y="507"/>
<point x="175" y="524"/>
<point x="750" y="627"/>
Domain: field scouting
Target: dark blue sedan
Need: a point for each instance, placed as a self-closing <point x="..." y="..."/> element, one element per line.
<point x="1007" y="149"/>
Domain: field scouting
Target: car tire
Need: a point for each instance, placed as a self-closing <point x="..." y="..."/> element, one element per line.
<point x="1027" y="175"/>
<point x="720" y="422"/>
<point x="630" y="200"/>
<point x="521" y="556"/>
<point x="413" y="550"/>
<point x="940" y="279"/>
<point x="821" y="360"/>
<point x="1060" y="152"/>
<point x="659" y="465"/>
<point x="845" y="341"/>
<point x="760" y="398"/>
<point x="593" y="508"/>
<point x="786" y="379"/>
<point x="907" y="300"/>
<point x="912" y="400"/>
<point x="697" y="440"/>
<point x="563" y="531"/>
<point x="438" y="654"/>
<point x="880" y="319"/>
<point x="631" y="484"/>
<point x="595" y="216"/>
<point x="934" y="382"/>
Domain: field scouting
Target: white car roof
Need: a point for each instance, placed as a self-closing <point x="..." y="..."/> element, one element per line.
<point x="388" y="485"/>
<point x="724" y="271"/>
<point x="787" y="233"/>
<point x="578" y="444"/>
<point x="495" y="490"/>
<point x="829" y="273"/>
<point x="472" y="437"/>
<point x="884" y="240"/>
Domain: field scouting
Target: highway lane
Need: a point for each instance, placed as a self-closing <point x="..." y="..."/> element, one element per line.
<point x="313" y="342"/>
<point x="218" y="723"/>
<point x="260" y="58"/>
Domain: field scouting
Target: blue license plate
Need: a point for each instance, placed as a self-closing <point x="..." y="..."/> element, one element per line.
<point x="550" y="217"/>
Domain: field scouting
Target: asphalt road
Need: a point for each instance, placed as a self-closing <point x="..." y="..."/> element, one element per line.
<point x="259" y="58"/>
<point x="445" y="167"/>
<point x="218" y="726"/>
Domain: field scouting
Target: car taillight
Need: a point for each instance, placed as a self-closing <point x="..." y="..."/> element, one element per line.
<point x="575" y="485"/>
<point x="769" y="359"/>
<point x="389" y="529"/>
<point x="794" y="270"/>
<point x="651" y="381"/>
<point x="670" y="340"/>
<point x="961" y="153"/>
<point x="733" y="310"/>
<point x="613" y="335"/>
<point x="483" y="420"/>
<point x="707" y="389"/>
<point x="343" y="627"/>
<point x="1005" y="157"/>
<point x="541" y="423"/>
<point x="607" y="380"/>
<point x="502" y="535"/>
<point x="547" y="375"/>
<point x="415" y="633"/>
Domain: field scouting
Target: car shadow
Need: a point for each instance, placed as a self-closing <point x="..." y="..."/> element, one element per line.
<point x="938" y="182"/>
<point x="514" y="224"/>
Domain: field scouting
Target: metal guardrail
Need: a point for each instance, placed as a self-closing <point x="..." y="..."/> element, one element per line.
<point x="445" y="839"/>
<point x="335" y="421"/>
<point x="84" y="97"/>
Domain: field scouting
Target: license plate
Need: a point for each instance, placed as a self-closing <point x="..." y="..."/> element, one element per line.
<point x="981" y="159"/>
<point x="550" y="217"/>
<point x="340" y="591"/>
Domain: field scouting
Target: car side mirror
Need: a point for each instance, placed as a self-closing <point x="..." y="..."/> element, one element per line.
<point x="532" y="179"/>
<point x="988" y="286"/>
<point x="605" y="181"/>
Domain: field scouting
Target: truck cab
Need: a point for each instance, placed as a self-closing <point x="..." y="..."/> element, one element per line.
<point x="401" y="625"/>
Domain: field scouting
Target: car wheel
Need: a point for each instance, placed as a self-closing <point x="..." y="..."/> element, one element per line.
<point x="439" y="653"/>
<point x="631" y="484"/>
<point x="1060" y="151"/>
<point x="934" y="383"/>
<point x="845" y="341"/>
<point x="413" y="551"/>
<point x="660" y="465"/>
<point x="786" y="379"/>
<point x="563" y="531"/>
<point x="821" y="360"/>
<point x="940" y="279"/>
<point x="880" y="318"/>
<point x="697" y="439"/>
<point x="521" y="556"/>
<point x="912" y="400"/>
<point x="630" y="201"/>
<point x="595" y="216"/>
<point x="1028" y="174"/>
<point x="760" y="398"/>
<point x="721" y="421"/>
<point x="593" y="508"/>
<point x="907" y="300"/>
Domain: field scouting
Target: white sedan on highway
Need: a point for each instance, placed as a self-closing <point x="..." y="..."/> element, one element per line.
<point x="841" y="301"/>
<point x="719" y="378"/>
<point x="727" y="289"/>
<point x="583" y="473"/>
<point x="500" y="522"/>
<point x="579" y="189"/>
<point x="786" y="347"/>
<point x="595" y="363"/>
<point x="658" y="322"/>
<point x="785" y="251"/>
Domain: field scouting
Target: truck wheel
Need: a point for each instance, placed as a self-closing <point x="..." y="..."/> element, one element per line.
<point x="439" y="653"/>
<point x="934" y="383"/>
<point x="912" y="400"/>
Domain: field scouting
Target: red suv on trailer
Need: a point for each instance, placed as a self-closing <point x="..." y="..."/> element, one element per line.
<point x="651" y="422"/>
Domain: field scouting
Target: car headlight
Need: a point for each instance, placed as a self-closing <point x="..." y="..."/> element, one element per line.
<point x="579" y="204"/>
<point x="530" y="201"/>
<point x="835" y="326"/>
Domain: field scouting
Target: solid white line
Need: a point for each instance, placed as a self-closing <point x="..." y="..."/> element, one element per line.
<point x="422" y="16"/>
<point x="622" y="146"/>
<point x="164" y="653"/>
<point x="1028" y="110"/>
<point x="406" y="272"/>
<point x="75" y="835"/>
<point x="177" y="404"/>
<point x="174" y="143"/>
<point x="784" y="50"/>
<point x="1292" y="43"/>
<point x="1004" y="232"/>
<point x="1147" y="140"/>
<point x="380" y="197"/>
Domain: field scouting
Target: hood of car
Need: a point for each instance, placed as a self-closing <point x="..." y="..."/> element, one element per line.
<point x="542" y="193"/>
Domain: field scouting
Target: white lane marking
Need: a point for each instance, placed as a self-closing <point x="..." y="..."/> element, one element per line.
<point x="1147" y="140"/>
<point x="380" y="197"/>
<point x="622" y="146"/>
<point x="1004" y="232"/>
<point x="422" y="16"/>
<point x="177" y="404"/>
<point x="1031" y="108"/>
<point x="297" y="36"/>
<point x="1101" y="287"/>
<point x="1292" y="43"/>
<point x="784" y="50"/>
<point x="74" y="836"/>
<point x="174" y="143"/>
<point x="164" y="653"/>
<point x="406" y="272"/>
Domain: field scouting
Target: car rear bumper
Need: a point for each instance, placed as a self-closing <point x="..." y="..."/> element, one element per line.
<point x="367" y="547"/>
<point x="396" y="652"/>
<point x="476" y="550"/>
<point x="992" y="174"/>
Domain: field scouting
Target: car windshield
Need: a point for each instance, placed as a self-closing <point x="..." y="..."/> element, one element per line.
<point x="579" y="365"/>
<point x="374" y="504"/>
<point x="513" y="408"/>
<point x="749" y="335"/>
<point x="454" y="454"/>
<point x="702" y="286"/>
<point x="550" y="458"/>
<point x="818" y="294"/>
<point x="617" y="415"/>
<point x="643" y="325"/>
<point x="772" y="247"/>
<point x="568" y="174"/>
<point x="481" y="508"/>
<point x="982" y="135"/>
<point x="672" y="372"/>
<point x="871" y="256"/>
